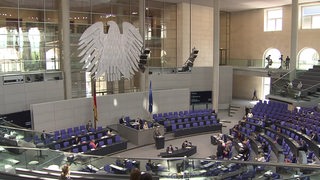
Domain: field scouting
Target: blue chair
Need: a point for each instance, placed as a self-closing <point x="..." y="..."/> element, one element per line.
<point x="75" y="150"/>
<point x="63" y="131"/>
<point x="101" y="143"/>
<point x="99" y="135"/>
<point x="57" y="146"/>
<point x="201" y="123"/>
<point x="70" y="131"/>
<point x="84" y="148"/>
<point x="83" y="139"/>
<point x="99" y="128"/>
<point x="107" y="168"/>
<point x="66" y="144"/>
<point x="195" y="124"/>
<point x="117" y="138"/>
<point x="91" y="137"/>
<point x="109" y="141"/>
<point x="174" y="127"/>
<point x="188" y="125"/>
<point x="180" y="126"/>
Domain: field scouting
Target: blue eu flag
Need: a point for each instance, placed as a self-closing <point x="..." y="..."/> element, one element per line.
<point x="150" y="99"/>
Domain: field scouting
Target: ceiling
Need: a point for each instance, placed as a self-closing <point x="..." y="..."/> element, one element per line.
<point x="241" y="5"/>
<point x="225" y="5"/>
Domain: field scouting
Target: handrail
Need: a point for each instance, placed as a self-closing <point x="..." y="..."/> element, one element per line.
<point x="318" y="84"/>
<point x="283" y="76"/>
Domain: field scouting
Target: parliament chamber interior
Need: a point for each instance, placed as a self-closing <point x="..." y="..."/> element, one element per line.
<point x="190" y="89"/>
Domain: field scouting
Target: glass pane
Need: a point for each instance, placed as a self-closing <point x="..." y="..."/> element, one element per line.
<point x="279" y="24"/>
<point x="275" y="14"/>
<point x="306" y="22"/>
<point x="271" y="25"/>
<point x="310" y="10"/>
<point x="315" y="22"/>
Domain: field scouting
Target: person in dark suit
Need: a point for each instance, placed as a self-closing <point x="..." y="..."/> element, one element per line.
<point x="122" y="121"/>
<point x="43" y="135"/>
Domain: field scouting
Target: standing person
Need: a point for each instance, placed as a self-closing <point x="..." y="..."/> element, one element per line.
<point x="43" y="136"/>
<point x="269" y="61"/>
<point x="287" y="62"/>
<point x="299" y="86"/>
<point x="255" y="97"/>
<point x="156" y="133"/>
<point x="89" y="125"/>
<point x="281" y="61"/>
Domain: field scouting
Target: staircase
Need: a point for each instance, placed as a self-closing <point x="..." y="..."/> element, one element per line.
<point x="233" y="109"/>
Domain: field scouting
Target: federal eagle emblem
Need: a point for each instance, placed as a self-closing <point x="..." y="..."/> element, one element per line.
<point x="113" y="54"/>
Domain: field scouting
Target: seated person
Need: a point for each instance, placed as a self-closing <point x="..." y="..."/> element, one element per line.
<point x="170" y="149"/>
<point x="109" y="132"/>
<point x="185" y="144"/>
<point x="145" y="125"/>
<point x="151" y="165"/>
<point x="314" y="136"/>
<point x="122" y="120"/>
<point x="92" y="144"/>
<point x="260" y="158"/>
<point x="264" y="147"/>
<point x="303" y="145"/>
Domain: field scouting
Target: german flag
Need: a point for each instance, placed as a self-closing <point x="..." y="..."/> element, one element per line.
<point x="94" y="97"/>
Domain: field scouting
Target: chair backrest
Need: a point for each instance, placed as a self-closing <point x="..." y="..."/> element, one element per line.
<point x="84" y="148"/>
<point x="99" y="135"/>
<point x="66" y="144"/>
<point x="195" y="124"/>
<point x="107" y="168"/>
<point x="187" y="125"/>
<point x="109" y="141"/>
<point x="117" y="138"/>
<point x="75" y="150"/>
<point x="174" y="127"/>
<point x="101" y="143"/>
<point x="91" y="137"/>
<point x="57" y="146"/>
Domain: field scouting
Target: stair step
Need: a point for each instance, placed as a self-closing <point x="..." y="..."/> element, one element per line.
<point x="234" y="106"/>
<point x="232" y="112"/>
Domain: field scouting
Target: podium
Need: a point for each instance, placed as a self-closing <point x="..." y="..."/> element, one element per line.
<point x="159" y="142"/>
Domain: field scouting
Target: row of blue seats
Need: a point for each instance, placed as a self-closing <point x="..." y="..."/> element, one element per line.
<point x="187" y="120"/>
<point x="85" y="147"/>
<point x="182" y="114"/>
<point x="64" y="133"/>
<point x="174" y="127"/>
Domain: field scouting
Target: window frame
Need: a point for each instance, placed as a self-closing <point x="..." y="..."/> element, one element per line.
<point x="276" y="20"/>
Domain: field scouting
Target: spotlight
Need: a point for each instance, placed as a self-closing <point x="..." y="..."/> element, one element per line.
<point x="143" y="58"/>
<point x="189" y="63"/>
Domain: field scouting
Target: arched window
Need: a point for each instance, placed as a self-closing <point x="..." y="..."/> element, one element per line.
<point x="307" y="58"/>
<point x="275" y="55"/>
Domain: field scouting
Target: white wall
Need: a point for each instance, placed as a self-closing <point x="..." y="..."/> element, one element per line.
<point x="199" y="79"/>
<point x="74" y="112"/>
<point x="18" y="97"/>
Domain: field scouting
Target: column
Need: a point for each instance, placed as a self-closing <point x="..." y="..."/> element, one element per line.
<point x="294" y="37"/>
<point x="216" y="47"/>
<point x="64" y="25"/>
<point x="142" y="17"/>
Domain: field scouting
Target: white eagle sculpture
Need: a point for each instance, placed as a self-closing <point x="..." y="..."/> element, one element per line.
<point x="114" y="54"/>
